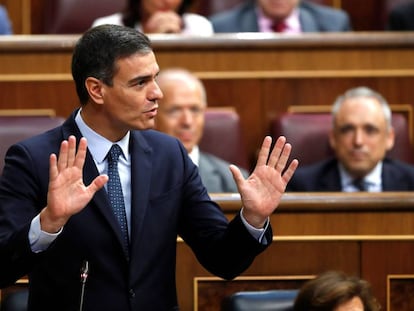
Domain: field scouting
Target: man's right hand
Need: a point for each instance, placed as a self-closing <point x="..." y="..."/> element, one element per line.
<point x="67" y="194"/>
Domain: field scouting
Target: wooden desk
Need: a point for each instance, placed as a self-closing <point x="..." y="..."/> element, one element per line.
<point x="369" y="235"/>
<point x="261" y="74"/>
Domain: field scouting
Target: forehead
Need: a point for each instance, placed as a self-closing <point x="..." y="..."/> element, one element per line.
<point x="181" y="92"/>
<point x="361" y="110"/>
<point x="137" y="64"/>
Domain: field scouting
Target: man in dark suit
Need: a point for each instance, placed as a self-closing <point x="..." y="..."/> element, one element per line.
<point x="290" y="16"/>
<point x="401" y="17"/>
<point x="120" y="239"/>
<point x="181" y="114"/>
<point x="361" y="135"/>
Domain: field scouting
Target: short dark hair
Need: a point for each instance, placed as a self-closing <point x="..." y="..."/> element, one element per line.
<point x="97" y="51"/>
<point x="132" y="12"/>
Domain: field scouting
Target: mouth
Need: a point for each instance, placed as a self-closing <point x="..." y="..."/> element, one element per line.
<point x="152" y="112"/>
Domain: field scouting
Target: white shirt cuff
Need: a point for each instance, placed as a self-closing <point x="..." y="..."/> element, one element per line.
<point x="40" y="240"/>
<point x="258" y="234"/>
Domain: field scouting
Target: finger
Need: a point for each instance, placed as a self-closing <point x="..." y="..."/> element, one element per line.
<point x="53" y="170"/>
<point x="81" y="153"/>
<point x="62" y="159"/>
<point x="264" y="151"/>
<point x="287" y="175"/>
<point x="284" y="157"/>
<point x="71" y="150"/>
<point x="277" y="150"/>
<point x="237" y="175"/>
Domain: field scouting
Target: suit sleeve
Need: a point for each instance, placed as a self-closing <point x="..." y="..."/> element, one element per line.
<point x="19" y="204"/>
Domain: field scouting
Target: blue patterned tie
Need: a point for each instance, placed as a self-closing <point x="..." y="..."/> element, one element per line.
<point x="116" y="196"/>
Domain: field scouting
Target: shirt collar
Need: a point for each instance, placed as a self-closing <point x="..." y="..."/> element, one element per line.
<point x="195" y="155"/>
<point x="372" y="179"/>
<point x="98" y="145"/>
<point x="265" y="23"/>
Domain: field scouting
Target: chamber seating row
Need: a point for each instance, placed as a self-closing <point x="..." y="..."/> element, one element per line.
<point x="307" y="131"/>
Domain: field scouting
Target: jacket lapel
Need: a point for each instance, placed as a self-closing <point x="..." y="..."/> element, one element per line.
<point x="141" y="170"/>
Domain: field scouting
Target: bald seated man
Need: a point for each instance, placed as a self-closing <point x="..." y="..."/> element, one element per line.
<point x="360" y="136"/>
<point x="181" y="114"/>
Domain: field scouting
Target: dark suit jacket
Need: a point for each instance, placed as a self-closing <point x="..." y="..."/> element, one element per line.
<point x="324" y="176"/>
<point x="216" y="175"/>
<point x="168" y="199"/>
<point x="313" y="18"/>
<point x="401" y="17"/>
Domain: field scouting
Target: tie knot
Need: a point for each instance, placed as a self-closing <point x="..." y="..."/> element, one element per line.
<point x="279" y="26"/>
<point x="360" y="184"/>
<point x="114" y="153"/>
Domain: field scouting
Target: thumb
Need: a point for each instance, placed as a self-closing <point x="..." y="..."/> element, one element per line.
<point x="237" y="175"/>
<point x="98" y="183"/>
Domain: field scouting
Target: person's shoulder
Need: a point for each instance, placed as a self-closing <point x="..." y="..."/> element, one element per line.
<point x="114" y="19"/>
<point x="154" y="135"/>
<point x="220" y="163"/>
<point x="228" y="15"/>
<point x="328" y="18"/>
<point x="157" y="140"/>
<point x="316" y="168"/>
<point x="397" y="164"/>
<point x="321" y="9"/>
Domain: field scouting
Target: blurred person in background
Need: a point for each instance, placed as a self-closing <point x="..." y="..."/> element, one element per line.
<point x="361" y="135"/>
<point x="181" y="114"/>
<point x="5" y="24"/>
<point x="288" y="16"/>
<point x="336" y="291"/>
<point x="401" y="17"/>
<point x="159" y="16"/>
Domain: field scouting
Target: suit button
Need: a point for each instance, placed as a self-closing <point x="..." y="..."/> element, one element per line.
<point x="131" y="294"/>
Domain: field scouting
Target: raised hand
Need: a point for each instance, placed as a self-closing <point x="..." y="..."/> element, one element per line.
<point x="67" y="194"/>
<point x="262" y="191"/>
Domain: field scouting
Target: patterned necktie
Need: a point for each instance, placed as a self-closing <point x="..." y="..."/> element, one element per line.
<point x="116" y="196"/>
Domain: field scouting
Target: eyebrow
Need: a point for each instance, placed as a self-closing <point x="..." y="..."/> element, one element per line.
<point x="133" y="81"/>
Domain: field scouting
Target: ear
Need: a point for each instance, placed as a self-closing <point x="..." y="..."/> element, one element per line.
<point x="94" y="88"/>
<point x="390" y="139"/>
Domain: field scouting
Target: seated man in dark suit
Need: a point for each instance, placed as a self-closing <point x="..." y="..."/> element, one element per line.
<point x="181" y="114"/>
<point x="361" y="135"/>
<point x="401" y="17"/>
<point x="290" y="16"/>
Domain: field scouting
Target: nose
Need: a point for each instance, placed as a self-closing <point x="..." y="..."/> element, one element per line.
<point x="359" y="137"/>
<point x="187" y="117"/>
<point x="156" y="93"/>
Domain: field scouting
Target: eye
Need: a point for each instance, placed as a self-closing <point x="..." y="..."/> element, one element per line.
<point x="174" y="112"/>
<point x="371" y="130"/>
<point x="196" y="110"/>
<point x="346" y="129"/>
